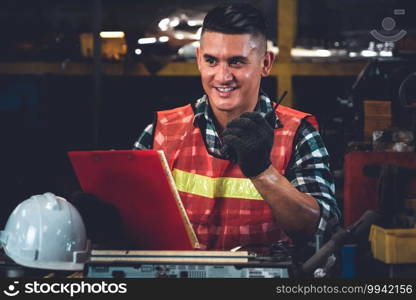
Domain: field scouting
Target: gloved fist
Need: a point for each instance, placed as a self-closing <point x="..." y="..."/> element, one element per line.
<point x="248" y="139"/>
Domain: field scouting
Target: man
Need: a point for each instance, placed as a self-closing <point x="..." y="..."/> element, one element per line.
<point x="281" y="184"/>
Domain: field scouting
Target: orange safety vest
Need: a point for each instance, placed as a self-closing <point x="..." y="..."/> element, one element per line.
<point x="224" y="207"/>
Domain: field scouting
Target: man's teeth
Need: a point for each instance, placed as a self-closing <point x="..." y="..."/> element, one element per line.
<point x="225" y="89"/>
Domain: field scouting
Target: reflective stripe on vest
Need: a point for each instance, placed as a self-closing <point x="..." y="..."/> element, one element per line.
<point x="220" y="187"/>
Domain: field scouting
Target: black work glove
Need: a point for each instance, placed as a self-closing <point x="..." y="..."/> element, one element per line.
<point x="248" y="140"/>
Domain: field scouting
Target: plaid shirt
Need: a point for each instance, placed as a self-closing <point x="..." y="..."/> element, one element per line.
<point x="308" y="170"/>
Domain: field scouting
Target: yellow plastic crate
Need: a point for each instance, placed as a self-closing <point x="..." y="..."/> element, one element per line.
<point x="393" y="246"/>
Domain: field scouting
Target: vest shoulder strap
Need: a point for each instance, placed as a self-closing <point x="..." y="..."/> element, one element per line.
<point x="286" y="112"/>
<point x="171" y="127"/>
<point x="175" y="115"/>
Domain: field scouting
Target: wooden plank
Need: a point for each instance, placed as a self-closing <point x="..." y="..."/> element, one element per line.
<point x="179" y="69"/>
<point x="162" y="256"/>
<point x="318" y="68"/>
<point x="169" y="253"/>
<point x="286" y="28"/>
<point x="193" y="260"/>
<point x="70" y="68"/>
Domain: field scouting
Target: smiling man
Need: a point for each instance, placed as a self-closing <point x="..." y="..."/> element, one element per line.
<point x="248" y="173"/>
<point x="231" y="66"/>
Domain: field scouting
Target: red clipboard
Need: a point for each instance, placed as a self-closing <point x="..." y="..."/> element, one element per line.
<point x="140" y="185"/>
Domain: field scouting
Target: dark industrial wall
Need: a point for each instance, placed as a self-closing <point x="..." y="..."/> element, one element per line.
<point x="318" y="95"/>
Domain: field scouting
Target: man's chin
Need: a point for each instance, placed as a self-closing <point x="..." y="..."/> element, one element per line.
<point x="226" y="108"/>
<point x="224" y="104"/>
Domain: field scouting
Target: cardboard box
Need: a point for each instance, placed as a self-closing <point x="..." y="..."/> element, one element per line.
<point x="374" y="123"/>
<point x="377" y="108"/>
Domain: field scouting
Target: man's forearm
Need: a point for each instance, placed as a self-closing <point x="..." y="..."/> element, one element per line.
<point x="295" y="212"/>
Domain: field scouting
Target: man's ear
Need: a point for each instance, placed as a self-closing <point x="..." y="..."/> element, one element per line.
<point x="268" y="61"/>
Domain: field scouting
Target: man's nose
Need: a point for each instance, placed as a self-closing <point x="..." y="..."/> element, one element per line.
<point x="224" y="73"/>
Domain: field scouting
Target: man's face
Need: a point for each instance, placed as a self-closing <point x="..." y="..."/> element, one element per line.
<point x="231" y="67"/>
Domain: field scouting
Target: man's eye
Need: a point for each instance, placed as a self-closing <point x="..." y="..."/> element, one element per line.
<point x="210" y="60"/>
<point x="235" y="62"/>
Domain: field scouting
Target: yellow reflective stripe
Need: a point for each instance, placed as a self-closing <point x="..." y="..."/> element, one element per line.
<point x="221" y="187"/>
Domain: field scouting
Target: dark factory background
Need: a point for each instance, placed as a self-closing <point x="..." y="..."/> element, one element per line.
<point x="57" y="93"/>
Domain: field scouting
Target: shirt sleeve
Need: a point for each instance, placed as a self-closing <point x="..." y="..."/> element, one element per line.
<point x="309" y="172"/>
<point x="145" y="139"/>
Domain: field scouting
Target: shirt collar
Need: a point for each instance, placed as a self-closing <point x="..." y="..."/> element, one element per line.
<point x="203" y="110"/>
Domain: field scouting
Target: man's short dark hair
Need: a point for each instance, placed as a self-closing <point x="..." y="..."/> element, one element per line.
<point x="238" y="18"/>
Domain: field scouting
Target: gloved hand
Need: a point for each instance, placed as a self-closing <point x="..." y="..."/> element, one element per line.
<point x="249" y="140"/>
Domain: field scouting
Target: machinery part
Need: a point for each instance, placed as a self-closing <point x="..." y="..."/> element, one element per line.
<point x="357" y="232"/>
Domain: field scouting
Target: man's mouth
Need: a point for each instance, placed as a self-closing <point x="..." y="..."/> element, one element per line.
<point x="225" y="89"/>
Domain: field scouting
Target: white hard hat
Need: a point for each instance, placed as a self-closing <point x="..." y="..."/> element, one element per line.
<point x="47" y="232"/>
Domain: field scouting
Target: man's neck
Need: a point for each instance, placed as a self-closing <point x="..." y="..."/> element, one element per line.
<point x="223" y="117"/>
